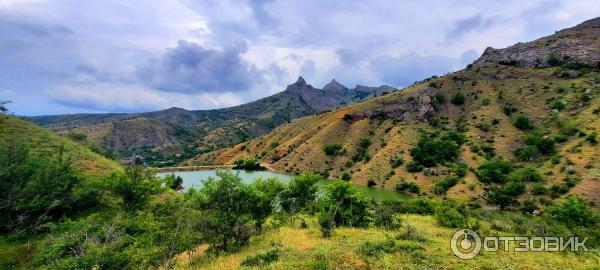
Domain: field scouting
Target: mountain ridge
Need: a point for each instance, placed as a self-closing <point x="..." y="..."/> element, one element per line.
<point x="173" y="130"/>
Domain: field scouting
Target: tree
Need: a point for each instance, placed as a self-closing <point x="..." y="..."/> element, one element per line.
<point x="135" y="187"/>
<point x="229" y="209"/>
<point x="266" y="192"/>
<point x="3" y="108"/>
<point x="300" y="193"/>
<point x="34" y="188"/>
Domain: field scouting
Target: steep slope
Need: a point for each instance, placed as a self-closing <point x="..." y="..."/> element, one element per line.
<point x="41" y="140"/>
<point x="495" y="95"/>
<point x="177" y="128"/>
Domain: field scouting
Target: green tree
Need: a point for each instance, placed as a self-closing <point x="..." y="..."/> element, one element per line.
<point x="134" y="187"/>
<point x="300" y="193"/>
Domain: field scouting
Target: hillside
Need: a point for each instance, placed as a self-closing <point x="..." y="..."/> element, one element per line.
<point x="42" y="140"/>
<point x="181" y="131"/>
<point x="558" y="94"/>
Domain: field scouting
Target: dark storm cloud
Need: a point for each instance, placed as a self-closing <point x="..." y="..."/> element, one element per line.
<point x="466" y="25"/>
<point x="191" y="68"/>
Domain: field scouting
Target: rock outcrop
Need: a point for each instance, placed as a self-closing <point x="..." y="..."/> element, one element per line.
<point x="578" y="44"/>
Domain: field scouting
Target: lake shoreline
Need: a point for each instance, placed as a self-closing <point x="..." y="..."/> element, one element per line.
<point x="193" y="168"/>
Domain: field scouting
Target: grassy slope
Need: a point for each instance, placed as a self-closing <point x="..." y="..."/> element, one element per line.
<point x="527" y="89"/>
<point x="42" y="140"/>
<point x="306" y="249"/>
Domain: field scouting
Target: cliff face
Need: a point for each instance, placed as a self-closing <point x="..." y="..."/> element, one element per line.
<point x="579" y="44"/>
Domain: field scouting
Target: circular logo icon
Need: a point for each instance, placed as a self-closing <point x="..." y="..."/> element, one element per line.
<point x="465" y="244"/>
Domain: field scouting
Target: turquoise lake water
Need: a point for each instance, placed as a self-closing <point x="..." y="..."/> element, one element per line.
<point x="194" y="179"/>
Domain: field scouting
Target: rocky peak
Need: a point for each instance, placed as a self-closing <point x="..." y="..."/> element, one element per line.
<point x="300" y="81"/>
<point x="334" y="86"/>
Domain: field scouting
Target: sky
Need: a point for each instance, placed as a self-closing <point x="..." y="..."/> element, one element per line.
<point x="89" y="56"/>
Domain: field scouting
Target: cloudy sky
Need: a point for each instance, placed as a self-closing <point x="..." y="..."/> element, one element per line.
<point x="68" y="56"/>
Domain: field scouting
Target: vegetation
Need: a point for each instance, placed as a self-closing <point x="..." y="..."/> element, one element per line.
<point x="334" y="150"/>
<point x="248" y="164"/>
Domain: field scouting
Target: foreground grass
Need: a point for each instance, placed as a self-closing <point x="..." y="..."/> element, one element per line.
<point x="306" y="249"/>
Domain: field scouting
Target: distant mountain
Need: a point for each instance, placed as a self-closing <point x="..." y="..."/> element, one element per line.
<point x="176" y="131"/>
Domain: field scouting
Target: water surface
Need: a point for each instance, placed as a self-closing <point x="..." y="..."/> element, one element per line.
<point x="194" y="179"/>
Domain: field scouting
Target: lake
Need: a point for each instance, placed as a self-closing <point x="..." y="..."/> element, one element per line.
<point x="194" y="179"/>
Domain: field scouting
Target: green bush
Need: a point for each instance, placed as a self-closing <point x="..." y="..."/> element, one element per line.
<point x="396" y="162"/>
<point x="527" y="153"/>
<point x="333" y="149"/>
<point x="428" y="152"/>
<point x="442" y="186"/>
<point x="300" y="193"/>
<point x="454" y="214"/>
<point x="459" y="169"/>
<point x="249" y="164"/>
<point x="411" y="187"/>
<point x="261" y="259"/>
<point x="574" y="212"/>
<point x="343" y="205"/>
<point x="526" y="174"/>
<point x="558" y="105"/>
<point x="494" y="171"/>
<point x="523" y="123"/>
<point x="458" y="99"/>
<point x="414" y="167"/>
<point x="35" y="188"/>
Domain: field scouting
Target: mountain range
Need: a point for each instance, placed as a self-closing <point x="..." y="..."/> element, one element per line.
<point x="177" y="131"/>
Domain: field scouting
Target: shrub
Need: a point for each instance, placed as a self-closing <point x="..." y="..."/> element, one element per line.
<point x="558" y="104"/>
<point x="261" y="259"/>
<point x="494" y="171"/>
<point x="592" y="138"/>
<point x="34" y="188"/>
<point x="344" y="206"/>
<point x="504" y="195"/>
<point x="523" y="123"/>
<point x="333" y="149"/>
<point x="525" y="174"/>
<point x="573" y="211"/>
<point x="429" y="152"/>
<point x="545" y="144"/>
<point x="364" y="143"/>
<point x="442" y="186"/>
<point x="454" y="215"/>
<point x="414" y="167"/>
<point x="538" y="189"/>
<point x="248" y="164"/>
<point x="508" y="109"/>
<point x="274" y="145"/>
<point x="300" y="193"/>
<point x="459" y="169"/>
<point x="396" y="162"/>
<point x="458" y="99"/>
<point x="528" y="153"/>
<point x="411" y="187"/>
<point x="371" y="183"/>
<point x="486" y="102"/>
<point x="346" y="176"/>
<point x="228" y="206"/>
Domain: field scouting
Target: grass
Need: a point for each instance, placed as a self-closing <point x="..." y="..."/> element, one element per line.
<point x="306" y="249"/>
<point x="42" y="140"/>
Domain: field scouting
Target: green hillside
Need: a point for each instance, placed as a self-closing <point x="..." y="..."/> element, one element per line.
<point x="42" y="140"/>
